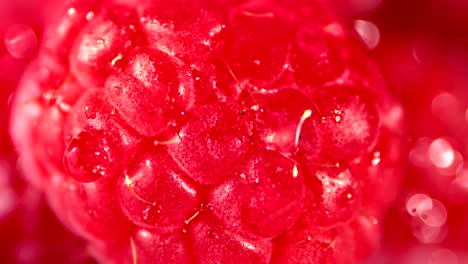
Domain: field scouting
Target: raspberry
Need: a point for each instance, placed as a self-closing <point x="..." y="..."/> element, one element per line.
<point x="31" y="233"/>
<point x="222" y="132"/>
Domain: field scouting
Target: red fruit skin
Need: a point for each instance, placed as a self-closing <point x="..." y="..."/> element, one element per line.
<point x="190" y="33"/>
<point x="347" y="122"/>
<point x="110" y="35"/>
<point x="90" y="210"/>
<point x="212" y="143"/>
<point x="209" y="133"/>
<point x="157" y="90"/>
<point x="143" y="247"/>
<point x="30" y="231"/>
<point x="275" y="119"/>
<point x="213" y="244"/>
<point x="156" y="193"/>
<point x="248" y="201"/>
<point x="251" y="48"/>
<point x="316" y="57"/>
<point x="333" y="195"/>
<point x="95" y="137"/>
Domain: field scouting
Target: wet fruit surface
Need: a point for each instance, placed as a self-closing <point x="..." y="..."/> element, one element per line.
<point x="248" y="131"/>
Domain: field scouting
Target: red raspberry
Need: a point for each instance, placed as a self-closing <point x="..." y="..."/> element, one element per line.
<point x="30" y="231"/>
<point x="187" y="131"/>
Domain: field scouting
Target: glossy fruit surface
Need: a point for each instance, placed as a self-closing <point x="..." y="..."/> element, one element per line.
<point x="192" y="131"/>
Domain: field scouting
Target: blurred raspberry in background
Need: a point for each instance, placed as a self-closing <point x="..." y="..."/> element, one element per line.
<point x="421" y="47"/>
<point x="29" y="231"/>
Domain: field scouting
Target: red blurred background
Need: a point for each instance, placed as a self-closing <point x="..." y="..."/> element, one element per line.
<point x="421" y="47"/>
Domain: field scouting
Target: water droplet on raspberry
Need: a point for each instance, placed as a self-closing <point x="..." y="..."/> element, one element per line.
<point x="20" y="41"/>
<point x="418" y="203"/>
<point x="368" y="32"/>
<point x="94" y="113"/>
<point x="426" y="233"/>
<point x="88" y="158"/>
<point x="441" y="153"/>
<point x="436" y="215"/>
<point x="90" y="15"/>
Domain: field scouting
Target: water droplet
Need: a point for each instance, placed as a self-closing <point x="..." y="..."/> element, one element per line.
<point x="376" y="158"/>
<point x="418" y="203"/>
<point x="145" y="214"/>
<point x="20" y="41"/>
<point x="429" y="218"/>
<point x="393" y="118"/>
<point x="86" y="158"/>
<point x="427" y="234"/>
<point x="441" y="153"/>
<point x="90" y="15"/>
<point x="206" y="42"/>
<point x="368" y="32"/>
<point x="338" y="115"/>
<point x="436" y="216"/>
<point x="144" y="233"/>
<point x="456" y="165"/>
<point x="71" y="11"/>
